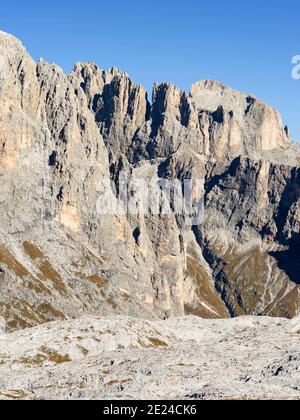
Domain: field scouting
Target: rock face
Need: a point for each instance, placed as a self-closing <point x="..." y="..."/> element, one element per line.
<point x="125" y="358"/>
<point x="60" y="135"/>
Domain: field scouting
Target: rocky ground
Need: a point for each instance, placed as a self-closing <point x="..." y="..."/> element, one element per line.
<point x="125" y="358"/>
<point x="71" y="275"/>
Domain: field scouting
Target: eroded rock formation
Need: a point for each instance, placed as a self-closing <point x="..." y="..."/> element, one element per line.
<point x="61" y="134"/>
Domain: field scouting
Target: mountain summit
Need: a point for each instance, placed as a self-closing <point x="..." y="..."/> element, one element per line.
<point x="60" y="135"/>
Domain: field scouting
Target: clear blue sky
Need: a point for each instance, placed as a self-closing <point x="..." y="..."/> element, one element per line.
<point x="248" y="45"/>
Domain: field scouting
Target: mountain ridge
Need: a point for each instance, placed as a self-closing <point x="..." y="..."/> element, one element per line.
<point x="61" y="134"/>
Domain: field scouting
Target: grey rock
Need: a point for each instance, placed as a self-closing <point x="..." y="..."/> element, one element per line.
<point x="189" y="358"/>
<point x="61" y="134"/>
<point x="2" y="325"/>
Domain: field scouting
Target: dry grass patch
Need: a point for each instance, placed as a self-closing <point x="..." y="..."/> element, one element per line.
<point x="204" y="292"/>
<point x="49" y="312"/>
<point x="118" y="382"/>
<point x="98" y="280"/>
<point x="11" y="263"/>
<point x="83" y="350"/>
<point x="32" y="251"/>
<point x="48" y="272"/>
<point x="12" y="395"/>
<point x="156" y="342"/>
<point x="112" y="303"/>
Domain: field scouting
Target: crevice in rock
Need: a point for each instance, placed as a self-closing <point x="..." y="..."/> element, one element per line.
<point x="289" y="196"/>
<point x="157" y="111"/>
<point x="52" y="158"/>
<point x="148" y="109"/>
<point x="184" y="110"/>
<point x="216" y="264"/>
<point x="250" y="101"/>
<point x="136" y="234"/>
<point x="60" y="194"/>
<point x="218" y="115"/>
<point x="288" y="260"/>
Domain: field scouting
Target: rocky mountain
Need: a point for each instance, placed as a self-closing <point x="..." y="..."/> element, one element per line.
<point x="61" y="134"/>
<point x="124" y="358"/>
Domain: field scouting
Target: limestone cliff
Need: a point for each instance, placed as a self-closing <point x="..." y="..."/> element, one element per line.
<point x="61" y="134"/>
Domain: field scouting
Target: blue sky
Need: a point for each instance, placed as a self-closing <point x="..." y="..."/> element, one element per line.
<point x="247" y="45"/>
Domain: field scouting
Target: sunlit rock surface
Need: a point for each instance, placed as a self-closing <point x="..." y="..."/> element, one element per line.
<point x="126" y="358"/>
<point x="62" y="134"/>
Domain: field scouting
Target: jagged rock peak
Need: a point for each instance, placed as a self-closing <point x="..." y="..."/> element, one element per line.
<point x="59" y="256"/>
<point x="213" y="120"/>
<point x="10" y="40"/>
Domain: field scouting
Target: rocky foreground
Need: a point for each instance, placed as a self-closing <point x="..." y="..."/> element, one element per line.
<point x="125" y="358"/>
